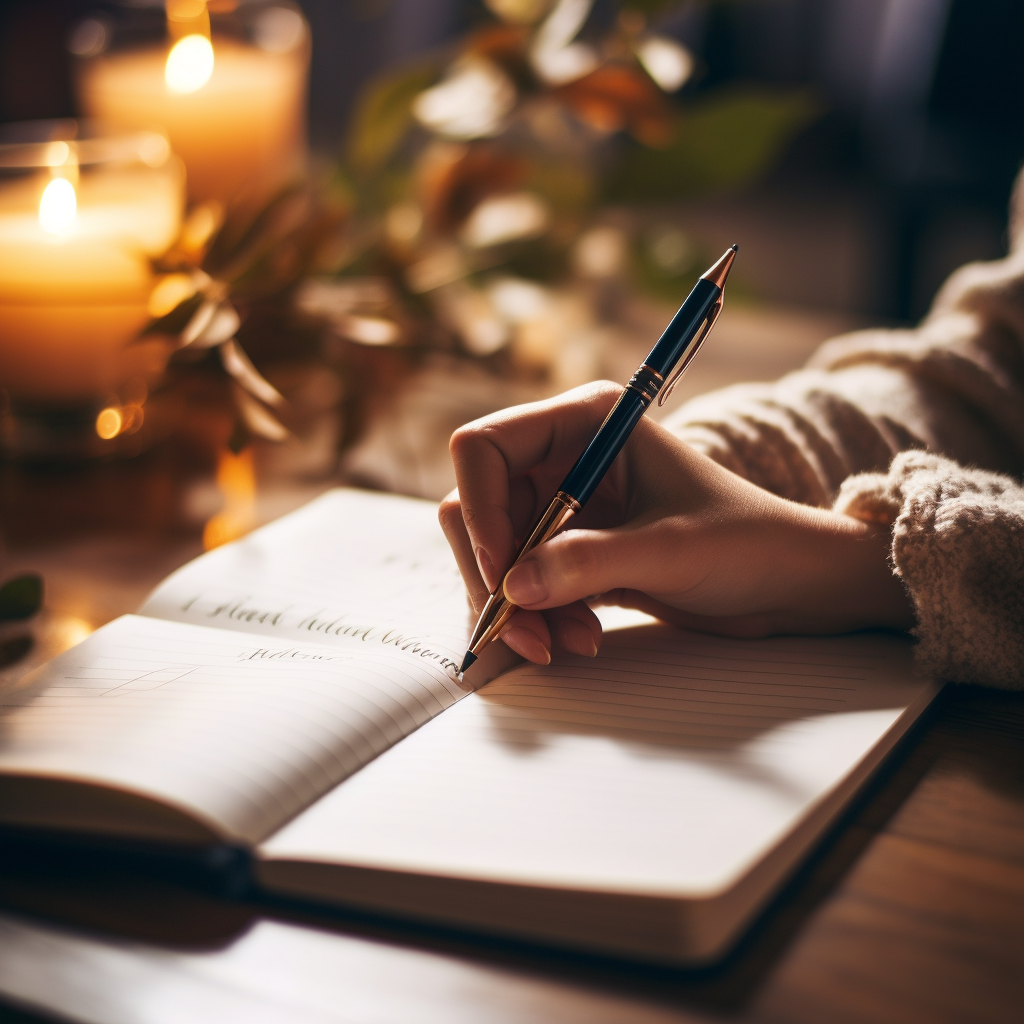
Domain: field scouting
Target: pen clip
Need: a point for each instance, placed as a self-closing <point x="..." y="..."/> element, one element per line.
<point x="709" y="323"/>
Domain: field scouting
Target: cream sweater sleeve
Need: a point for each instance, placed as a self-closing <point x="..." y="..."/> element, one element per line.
<point x="958" y="545"/>
<point x="953" y="385"/>
<point x="881" y="424"/>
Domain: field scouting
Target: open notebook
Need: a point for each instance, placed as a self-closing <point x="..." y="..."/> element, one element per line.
<point x="295" y="693"/>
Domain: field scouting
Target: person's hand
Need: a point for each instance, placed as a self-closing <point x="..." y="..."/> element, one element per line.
<point x="668" y="531"/>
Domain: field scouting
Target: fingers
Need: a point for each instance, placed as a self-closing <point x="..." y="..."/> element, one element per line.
<point x="491" y="452"/>
<point x="527" y="632"/>
<point x="574" y="629"/>
<point x="450" y="516"/>
<point x="530" y="634"/>
<point x="578" y="563"/>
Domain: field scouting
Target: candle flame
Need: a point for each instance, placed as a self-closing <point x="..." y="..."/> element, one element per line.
<point x="58" y="207"/>
<point x="189" y="64"/>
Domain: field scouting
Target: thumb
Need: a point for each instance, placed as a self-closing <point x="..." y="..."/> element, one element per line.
<point x="576" y="565"/>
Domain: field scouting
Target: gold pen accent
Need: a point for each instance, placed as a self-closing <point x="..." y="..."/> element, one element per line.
<point x="498" y="609"/>
<point x="717" y="275"/>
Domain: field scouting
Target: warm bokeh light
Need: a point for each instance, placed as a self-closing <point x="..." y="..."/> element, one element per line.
<point x="189" y="64"/>
<point x="372" y="330"/>
<point x="601" y="251"/>
<point x="108" y="423"/>
<point x="169" y="293"/>
<point x="154" y="149"/>
<point x="58" y="154"/>
<point x="470" y="103"/>
<point x="58" y="207"/>
<point x="666" y="61"/>
<point x="199" y="227"/>
<point x="72" y="630"/>
<point x="404" y="222"/>
<point x="236" y="478"/>
<point x="505" y="218"/>
<point x="184" y="11"/>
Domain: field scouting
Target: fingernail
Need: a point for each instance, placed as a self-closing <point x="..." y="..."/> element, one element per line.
<point x="576" y="638"/>
<point x="525" y="642"/>
<point x="486" y="567"/>
<point x="524" y="585"/>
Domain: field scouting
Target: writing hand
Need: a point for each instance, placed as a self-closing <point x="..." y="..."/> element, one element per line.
<point x="668" y="531"/>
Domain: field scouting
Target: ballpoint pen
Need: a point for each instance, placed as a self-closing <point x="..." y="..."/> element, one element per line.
<point x="654" y="379"/>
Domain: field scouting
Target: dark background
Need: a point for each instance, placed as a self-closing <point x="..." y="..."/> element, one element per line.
<point x="906" y="174"/>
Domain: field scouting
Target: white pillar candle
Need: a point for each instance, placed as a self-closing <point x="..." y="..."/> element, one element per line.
<point x="240" y="131"/>
<point x="76" y="277"/>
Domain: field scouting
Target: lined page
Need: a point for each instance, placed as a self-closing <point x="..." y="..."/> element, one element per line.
<point x="671" y="763"/>
<point x="240" y="731"/>
<point x="351" y="568"/>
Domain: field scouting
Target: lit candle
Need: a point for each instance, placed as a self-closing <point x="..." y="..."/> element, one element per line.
<point x="234" y="111"/>
<point x="75" y="273"/>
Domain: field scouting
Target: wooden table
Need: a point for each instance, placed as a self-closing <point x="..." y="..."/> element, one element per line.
<point x="912" y="911"/>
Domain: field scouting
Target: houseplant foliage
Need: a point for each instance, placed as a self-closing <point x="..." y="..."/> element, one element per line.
<point x="21" y="597"/>
<point x="490" y="202"/>
<point x="228" y="265"/>
<point x="486" y="181"/>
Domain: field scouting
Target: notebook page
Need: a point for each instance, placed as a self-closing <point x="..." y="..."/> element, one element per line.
<point x="240" y="731"/>
<point x="669" y="764"/>
<point x="351" y="567"/>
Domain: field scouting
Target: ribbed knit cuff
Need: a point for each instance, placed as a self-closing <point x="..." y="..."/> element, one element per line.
<point x="958" y="545"/>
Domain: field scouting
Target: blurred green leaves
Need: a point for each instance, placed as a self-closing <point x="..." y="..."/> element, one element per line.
<point x="721" y="142"/>
<point x="21" y="597"/>
<point x="384" y="115"/>
<point x="438" y="151"/>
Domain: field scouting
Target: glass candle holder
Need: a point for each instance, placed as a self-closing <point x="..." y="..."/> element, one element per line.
<point x="83" y="212"/>
<point x="225" y="80"/>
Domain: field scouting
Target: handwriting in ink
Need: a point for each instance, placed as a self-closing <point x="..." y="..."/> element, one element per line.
<point x="237" y="610"/>
<point x="409" y="644"/>
<point x="289" y="654"/>
<point x="240" y="609"/>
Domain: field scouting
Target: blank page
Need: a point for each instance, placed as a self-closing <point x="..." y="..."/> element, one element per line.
<point x="669" y="764"/>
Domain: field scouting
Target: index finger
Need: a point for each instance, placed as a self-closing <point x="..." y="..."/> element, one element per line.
<point x="492" y="451"/>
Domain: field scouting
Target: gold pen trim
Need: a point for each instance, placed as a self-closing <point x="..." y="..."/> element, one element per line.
<point x="498" y="609"/>
<point x="709" y="323"/>
<point x="646" y="382"/>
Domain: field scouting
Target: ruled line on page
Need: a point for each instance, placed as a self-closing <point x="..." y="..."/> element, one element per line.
<point x="723" y="688"/>
<point x="613" y="665"/>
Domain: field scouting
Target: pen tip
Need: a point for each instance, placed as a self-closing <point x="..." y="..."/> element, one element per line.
<point x="735" y="247"/>
<point x="467" y="661"/>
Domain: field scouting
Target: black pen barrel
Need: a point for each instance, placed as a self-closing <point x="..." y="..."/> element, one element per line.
<point x="592" y="465"/>
<point x="638" y="394"/>
<point x="683" y="327"/>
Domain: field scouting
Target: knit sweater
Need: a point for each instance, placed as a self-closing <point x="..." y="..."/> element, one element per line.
<point x="921" y="430"/>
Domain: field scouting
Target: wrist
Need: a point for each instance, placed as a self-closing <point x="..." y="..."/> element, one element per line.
<point x="839" y="577"/>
